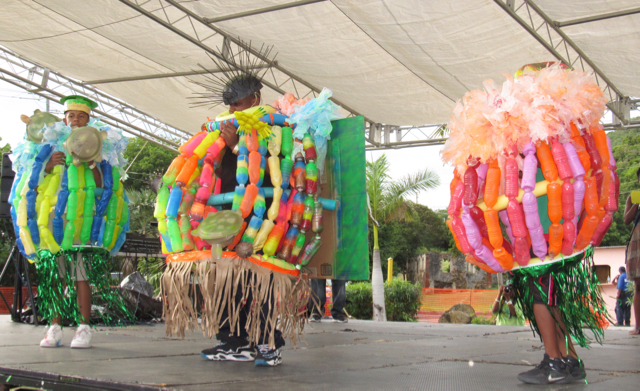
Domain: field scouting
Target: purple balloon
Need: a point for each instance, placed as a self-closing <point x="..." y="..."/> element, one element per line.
<point x="529" y="169"/>
<point x="531" y="217"/>
<point x="504" y="217"/>
<point x="482" y="175"/>
<point x="486" y="255"/>
<point x="578" y="196"/>
<point x="473" y="233"/>
<point x="612" y="161"/>
<point x="574" y="161"/>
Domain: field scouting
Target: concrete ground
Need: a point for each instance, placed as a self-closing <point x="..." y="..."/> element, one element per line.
<point x="359" y="355"/>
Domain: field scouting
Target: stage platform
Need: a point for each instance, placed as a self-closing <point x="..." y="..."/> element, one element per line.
<point x="358" y="355"/>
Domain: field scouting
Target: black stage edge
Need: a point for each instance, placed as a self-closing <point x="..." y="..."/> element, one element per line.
<point x="50" y="381"/>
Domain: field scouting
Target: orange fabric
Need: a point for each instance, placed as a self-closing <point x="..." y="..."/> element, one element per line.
<point x="193" y="256"/>
<point x="443" y="299"/>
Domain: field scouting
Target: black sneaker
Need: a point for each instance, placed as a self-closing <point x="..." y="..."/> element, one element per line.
<point x="268" y="357"/>
<point x="340" y="319"/>
<point x="550" y="370"/>
<point x="230" y="351"/>
<point x="575" y="368"/>
<point x="316" y="318"/>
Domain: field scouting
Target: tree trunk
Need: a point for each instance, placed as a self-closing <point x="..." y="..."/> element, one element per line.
<point x="377" y="282"/>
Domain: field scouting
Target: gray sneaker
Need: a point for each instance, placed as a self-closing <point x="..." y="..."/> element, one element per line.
<point x="340" y="319"/>
<point x="549" y="371"/>
<point x="315" y="318"/>
<point x="575" y="368"/>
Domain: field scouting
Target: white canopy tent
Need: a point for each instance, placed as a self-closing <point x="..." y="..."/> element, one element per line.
<point x="400" y="63"/>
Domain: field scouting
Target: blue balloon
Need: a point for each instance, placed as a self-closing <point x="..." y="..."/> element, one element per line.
<point x="16" y="181"/>
<point x="33" y="229"/>
<point x="174" y="202"/>
<point x="44" y="153"/>
<point x="57" y="227"/>
<point x="21" y="246"/>
<point x="31" y="204"/>
<point x="107" y="175"/>
<point x="101" y="205"/>
<point x="95" y="229"/>
<point x="61" y="205"/>
<point x="34" y="179"/>
<point x="101" y="235"/>
<point x="65" y="181"/>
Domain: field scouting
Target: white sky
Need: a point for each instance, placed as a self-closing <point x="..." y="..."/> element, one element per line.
<point x="15" y="101"/>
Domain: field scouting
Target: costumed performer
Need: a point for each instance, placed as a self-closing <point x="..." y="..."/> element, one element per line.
<point x="532" y="156"/>
<point x="69" y="210"/>
<point x="252" y="298"/>
<point x="632" y="215"/>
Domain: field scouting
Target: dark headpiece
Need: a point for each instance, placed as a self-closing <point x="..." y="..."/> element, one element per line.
<point x="237" y="76"/>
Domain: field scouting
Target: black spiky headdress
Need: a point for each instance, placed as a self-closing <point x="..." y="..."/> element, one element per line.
<point x="237" y="76"/>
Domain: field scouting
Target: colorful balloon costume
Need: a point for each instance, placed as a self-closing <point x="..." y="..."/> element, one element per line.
<point x="271" y="242"/>
<point x="532" y="154"/>
<point x="62" y="214"/>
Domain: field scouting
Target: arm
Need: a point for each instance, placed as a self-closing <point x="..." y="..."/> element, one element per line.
<point x="97" y="176"/>
<point x="629" y="211"/>
<point x="615" y="280"/>
<point x="56" y="159"/>
<point x="496" y="302"/>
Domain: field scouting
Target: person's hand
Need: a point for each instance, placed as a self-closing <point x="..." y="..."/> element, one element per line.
<point x="501" y="290"/>
<point x="229" y="133"/>
<point x="508" y="296"/>
<point x="56" y="159"/>
<point x="628" y="203"/>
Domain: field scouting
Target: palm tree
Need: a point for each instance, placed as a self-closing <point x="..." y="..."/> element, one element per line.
<point x="387" y="199"/>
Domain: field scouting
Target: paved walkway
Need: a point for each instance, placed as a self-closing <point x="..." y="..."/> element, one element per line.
<point x="359" y="355"/>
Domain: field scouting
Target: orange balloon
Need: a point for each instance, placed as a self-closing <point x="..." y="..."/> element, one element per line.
<point x="469" y="258"/>
<point x="493" y="227"/>
<point x="247" y="201"/>
<point x="492" y="184"/>
<point x="254" y="167"/>
<point x="586" y="232"/>
<point x="455" y="238"/>
<point x="252" y="141"/>
<point x="555" y="239"/>
<point x="600" y="137"/>
<point x="549" y="169"/>
<point x="187" y="170"/>
<point x="591" y="196"/>
<point x="554" y="193"/>
<point x="504" y="258"/>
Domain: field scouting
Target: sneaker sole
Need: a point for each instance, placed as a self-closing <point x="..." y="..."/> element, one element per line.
<point x="565" y="380"/>
<point x="340" y="321"/>
<point x="80" y="347"/>
<point x="57" y="345"/>
<point x="227" y="357"/>
<point x="261" y="362"/>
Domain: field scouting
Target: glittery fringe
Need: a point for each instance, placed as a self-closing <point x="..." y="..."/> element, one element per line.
<point x="58" y="297"/>
<point x="219" y="283"/>
<point x="579" y="296"/>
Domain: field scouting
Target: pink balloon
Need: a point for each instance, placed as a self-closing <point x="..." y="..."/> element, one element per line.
<point x="522" y="251"/>
<point x="568" y="237"/>
<point x="511" y="178"/>
<point x="601" y="229"/>
<point x="568" y="199"/>
<point x="482" y="173"/>
<point x="516" y="217"/>
<point x="561" y="160"/>
<point x="470" y="186"/>
<point x="461" y="234"/>
<point x="612" y="201"/>
<point x="456" y="200"/>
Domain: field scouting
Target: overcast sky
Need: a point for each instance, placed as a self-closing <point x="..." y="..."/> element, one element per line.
<point x="15" y="101"/>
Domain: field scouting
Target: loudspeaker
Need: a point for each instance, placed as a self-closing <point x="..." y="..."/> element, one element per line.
<point x="7" y="176"/>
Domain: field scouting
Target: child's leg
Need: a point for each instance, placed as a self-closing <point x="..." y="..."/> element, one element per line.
<point x="548" y="332"/>
<point x="84" y="290"/>
<point x="636" y="307"/>
<point x="84" y="300"/>
<point x="564" y="339"/>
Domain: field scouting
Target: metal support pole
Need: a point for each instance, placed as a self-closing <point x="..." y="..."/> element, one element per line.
<point x="390" y="270"/>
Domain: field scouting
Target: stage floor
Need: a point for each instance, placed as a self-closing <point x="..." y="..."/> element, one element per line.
<point x="358" y="355"/>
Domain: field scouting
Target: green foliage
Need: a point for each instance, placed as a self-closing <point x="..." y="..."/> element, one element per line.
<point x="626" y="151"/>
<point x="152" y="269"/>
<point x="141" y="206"/>
<point x="359" y="300"/>
<point x="148" y="162"/>
<point x="402" y="300"/>
<point x="445" y="266"/>
<point x="481" y="320"/>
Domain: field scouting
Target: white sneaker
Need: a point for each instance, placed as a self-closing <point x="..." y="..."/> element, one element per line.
<point x="82" y="339"/>
<point x="53" y="337"/>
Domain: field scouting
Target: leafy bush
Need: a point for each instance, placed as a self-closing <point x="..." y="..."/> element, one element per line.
<point x="359" y="300"/>
<point x="481" y="320"/>
<point x="402" y="300"/>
